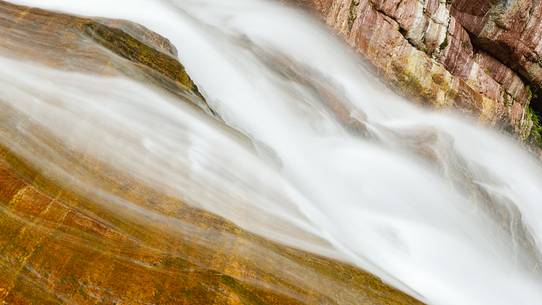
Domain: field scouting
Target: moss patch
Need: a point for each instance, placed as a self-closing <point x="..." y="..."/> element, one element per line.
<point x="536" y="131"/>
<point x="352" y="13"/>
<point x="533" y="113"/>
<point x="134" y="50"/>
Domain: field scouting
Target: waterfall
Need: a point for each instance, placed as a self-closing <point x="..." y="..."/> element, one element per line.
<point x="311" y="150"/>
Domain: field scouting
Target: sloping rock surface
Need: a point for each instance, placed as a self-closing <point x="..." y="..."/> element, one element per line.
<point x="61" y="244"/>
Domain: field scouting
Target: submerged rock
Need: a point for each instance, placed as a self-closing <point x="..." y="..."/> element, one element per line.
<point x="59" y="245"/>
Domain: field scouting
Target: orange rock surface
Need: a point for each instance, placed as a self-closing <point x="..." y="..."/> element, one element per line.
<point x="61" y="243"/>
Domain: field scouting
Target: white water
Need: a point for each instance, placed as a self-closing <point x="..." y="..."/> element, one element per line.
<point x="403" y="199"/>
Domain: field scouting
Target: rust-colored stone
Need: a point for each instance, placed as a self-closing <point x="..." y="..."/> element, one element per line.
<point x="86" y="45"/>
<point x="59" y="245"/>
<point x="62" y="243"/>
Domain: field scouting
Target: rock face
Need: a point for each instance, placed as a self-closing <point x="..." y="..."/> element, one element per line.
<point x="509" y="30"/>
<point x="60" y="244"/>
<point x="478" y="56"/>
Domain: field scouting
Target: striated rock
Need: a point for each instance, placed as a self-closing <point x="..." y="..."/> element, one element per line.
<point x="424" y="49"/>
<point x="61" y="243"/>
<point x="86" y="45"/>
<point x="509" y="30"/>
<point x="58" y="246"/>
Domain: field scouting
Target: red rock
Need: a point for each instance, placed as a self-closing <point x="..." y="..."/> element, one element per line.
<point x="424" y="49"/>
<point x="510" y="31"/>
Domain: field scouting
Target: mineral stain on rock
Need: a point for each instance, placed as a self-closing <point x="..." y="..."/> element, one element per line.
<point x="101" y="46"/>
<point x="60" y="244"/>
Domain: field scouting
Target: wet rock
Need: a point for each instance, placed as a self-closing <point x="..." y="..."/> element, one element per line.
<point x="61" y="243"/>
<point x="424" y="48"/>
<point x="100" y="46"/>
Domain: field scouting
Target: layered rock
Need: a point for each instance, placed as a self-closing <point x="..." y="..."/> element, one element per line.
<point x="59" y="246"/>
<point x="61" y="243"/>
<point x="509" y="30"/>
<point x="84" y="45"/>
<point x="424" y="48"/>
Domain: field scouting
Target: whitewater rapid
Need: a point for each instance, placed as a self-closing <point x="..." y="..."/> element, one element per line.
<point x="434" y="204"/>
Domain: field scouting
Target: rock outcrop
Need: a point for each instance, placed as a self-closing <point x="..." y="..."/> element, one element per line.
<point x="511" y="31"/>
<point x="61" y="244"/>
<point x="478" y="56"/>
<point x="85" y="45"/>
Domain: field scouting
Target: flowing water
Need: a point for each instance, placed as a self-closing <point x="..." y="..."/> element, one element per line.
<point x="328" y="161"/>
